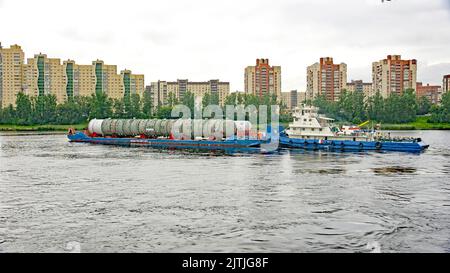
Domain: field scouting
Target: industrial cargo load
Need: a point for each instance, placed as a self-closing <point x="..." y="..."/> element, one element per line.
<point x="179" y="129"/>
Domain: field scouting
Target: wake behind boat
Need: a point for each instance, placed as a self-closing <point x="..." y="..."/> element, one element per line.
<point x="313" y="131"/>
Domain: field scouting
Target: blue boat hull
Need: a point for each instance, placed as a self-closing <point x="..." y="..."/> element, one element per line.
<point x="226" y="145"/>
<point x="349" y="145"/>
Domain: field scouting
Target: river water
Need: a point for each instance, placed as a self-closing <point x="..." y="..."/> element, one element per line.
<point x="57" y="196"/>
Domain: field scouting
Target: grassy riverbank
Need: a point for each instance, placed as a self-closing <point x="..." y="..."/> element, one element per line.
<point x="36" y="128"/>
<point x="421" y="123"/>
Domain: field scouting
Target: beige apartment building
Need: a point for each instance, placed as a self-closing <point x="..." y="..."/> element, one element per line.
<point x="11" y="74"/>
<point x="394" y="75"/>
<point x="160" y="90"/>
<point x="292" y="99"/>
<point x="263" y="79"/>
<point x="360" y="86"/>
<point x="326" y="79"/>
<point x="80" y="79"/>
<point x="132" y="83"/>
<point x="42" y="76"/>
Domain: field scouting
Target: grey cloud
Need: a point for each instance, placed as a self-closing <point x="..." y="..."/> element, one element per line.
<point x="433" y="74"/>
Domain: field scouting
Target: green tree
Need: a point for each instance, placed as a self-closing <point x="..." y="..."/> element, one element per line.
<point x="423" y="105"/>
<point x="8" y="115"/>
<point x="69" y="113"/>
<point x="84" y="105"/>
<point x="147" y="105"/>
<point x="136" y="106"/>
<point x="23" y="109"/>
<point x="375" y="107"/>
<point x="352" y="107"/>
<point x="441" y="113"/>
<point x="189" y="101"/>
<point x="101" y="106"/>
<point x="164" y="112"/>
<point x="44" y="109"/>
<point x="118" y="108"/>
<point x="231" y="99"/>
<point x="172" y="99"/>
<point x="407" y="109"/>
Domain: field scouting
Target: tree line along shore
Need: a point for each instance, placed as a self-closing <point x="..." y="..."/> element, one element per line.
<point x="397" y="112"/>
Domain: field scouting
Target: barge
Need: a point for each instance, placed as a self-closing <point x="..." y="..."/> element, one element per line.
<point x="159" y="134"/>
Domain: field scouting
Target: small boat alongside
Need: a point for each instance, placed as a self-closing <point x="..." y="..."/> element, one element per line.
<point x="313" y="131"/>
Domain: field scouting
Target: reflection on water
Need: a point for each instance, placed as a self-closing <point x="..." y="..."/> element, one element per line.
<point x="55" y="194"/>
<point x="394" y="170"/>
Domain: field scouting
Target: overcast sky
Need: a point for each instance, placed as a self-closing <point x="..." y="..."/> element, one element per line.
<point x="210" y="39"/>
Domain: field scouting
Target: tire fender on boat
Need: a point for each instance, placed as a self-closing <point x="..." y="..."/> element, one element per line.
<point x="378" y="145"/>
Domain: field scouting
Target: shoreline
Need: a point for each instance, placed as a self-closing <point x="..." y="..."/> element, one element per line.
<point x="40" y="128"/>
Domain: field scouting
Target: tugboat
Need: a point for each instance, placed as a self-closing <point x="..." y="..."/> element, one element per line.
<point x="313" y="131"/>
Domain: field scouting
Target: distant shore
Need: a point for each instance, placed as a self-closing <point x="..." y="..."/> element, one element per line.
<point x="40" y="128"/>
<point x="420" y="124"/>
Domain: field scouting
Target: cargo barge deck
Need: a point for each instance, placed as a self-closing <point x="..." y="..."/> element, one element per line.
<point x="230" y="145"/>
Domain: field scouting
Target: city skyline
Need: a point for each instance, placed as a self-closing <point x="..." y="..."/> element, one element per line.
<point x="153" y="45"/>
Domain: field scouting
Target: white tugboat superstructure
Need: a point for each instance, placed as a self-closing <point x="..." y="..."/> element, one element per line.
<point x="309" y="124"/>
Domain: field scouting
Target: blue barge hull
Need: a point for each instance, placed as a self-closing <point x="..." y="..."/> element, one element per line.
<point x="349" y="145"/>
<point x="236" y="145"/>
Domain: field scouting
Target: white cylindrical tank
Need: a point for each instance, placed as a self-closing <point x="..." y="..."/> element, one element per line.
<point x="95" y="126"/>
<point x="188" y="128"/>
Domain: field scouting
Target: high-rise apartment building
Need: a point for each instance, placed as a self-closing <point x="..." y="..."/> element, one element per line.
<point x="263" y="79"/>
<point x="161" y="90"/>
<point x="326" y="79"/>
<point x="107" y="80"/>
<point x="11" y="74"/>
<point x="360" y="86"/>
<point x="42" y="76"/>
<point x="394" y="75"/>
<point x="80" y="79"/>
<point x="446" y="84"/>
<point x="132" y="83"/>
